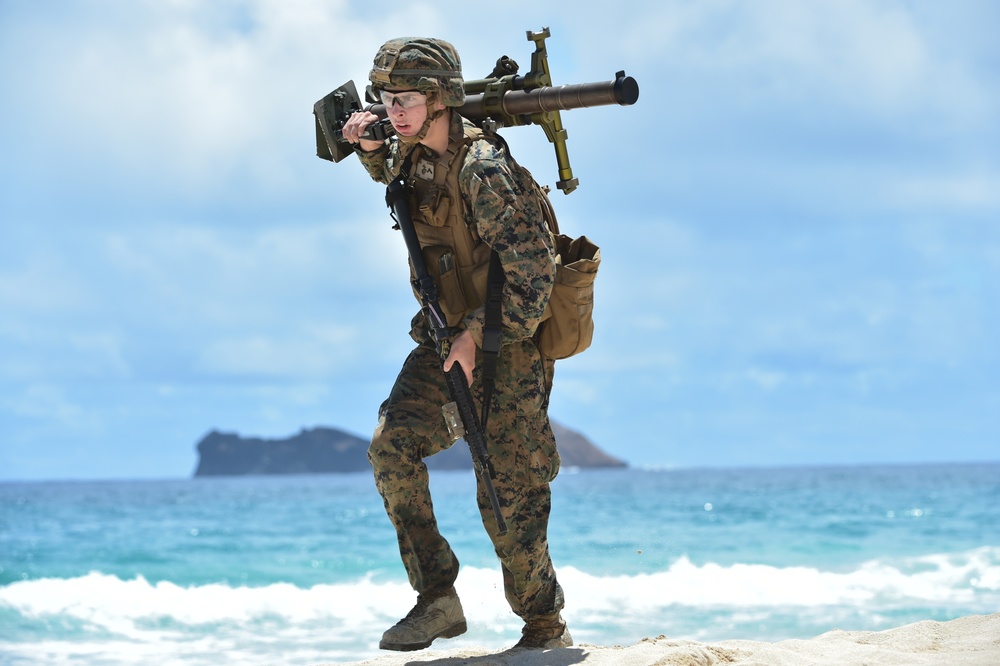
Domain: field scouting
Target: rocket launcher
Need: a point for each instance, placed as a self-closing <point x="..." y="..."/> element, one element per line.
<point x="503" y="99"/>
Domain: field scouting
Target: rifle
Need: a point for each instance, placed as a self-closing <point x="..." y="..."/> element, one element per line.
<point x="503" y="99"/>
<point x="396" y="197"/>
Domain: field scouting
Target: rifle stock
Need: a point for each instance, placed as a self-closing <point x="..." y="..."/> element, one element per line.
<point x="395" y="198"/>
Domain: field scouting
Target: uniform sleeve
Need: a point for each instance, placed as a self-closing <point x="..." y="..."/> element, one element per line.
<point x="376" y="163"/>
<point x="511" y="222"/>
<point x="384" y="164"/>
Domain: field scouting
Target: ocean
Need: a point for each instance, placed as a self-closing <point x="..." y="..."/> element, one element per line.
<point x="304" y="569"/>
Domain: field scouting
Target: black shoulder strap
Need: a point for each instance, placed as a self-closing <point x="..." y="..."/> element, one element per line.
<point x="493" y="324"/>
<point x="492" y="331"/>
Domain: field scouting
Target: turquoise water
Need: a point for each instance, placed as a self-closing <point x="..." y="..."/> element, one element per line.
<point x="304" y="569"/>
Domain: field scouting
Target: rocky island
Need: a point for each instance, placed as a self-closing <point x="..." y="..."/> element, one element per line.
<point x="325" y="450"/>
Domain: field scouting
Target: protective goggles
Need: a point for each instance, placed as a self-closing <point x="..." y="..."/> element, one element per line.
<point x="405" y="100"/>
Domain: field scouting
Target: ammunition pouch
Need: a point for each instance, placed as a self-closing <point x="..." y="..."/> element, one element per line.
<point x="568" y="326"/>
<point x="461" y="288"/>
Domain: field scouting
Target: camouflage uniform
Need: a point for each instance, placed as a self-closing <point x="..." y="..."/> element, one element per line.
<point x="502" y="213"/>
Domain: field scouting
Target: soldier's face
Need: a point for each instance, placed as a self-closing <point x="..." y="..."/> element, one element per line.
<point x="407" y="111"/>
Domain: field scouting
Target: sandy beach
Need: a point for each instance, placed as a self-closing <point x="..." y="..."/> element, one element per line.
<point x="967" y="641"/>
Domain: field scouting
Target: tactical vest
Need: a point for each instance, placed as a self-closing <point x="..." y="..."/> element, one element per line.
<point x="455" y="255"/>
<point x="459" y="260"/>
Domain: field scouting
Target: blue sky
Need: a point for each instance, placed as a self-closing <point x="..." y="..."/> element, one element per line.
<point x="799" y="219"/>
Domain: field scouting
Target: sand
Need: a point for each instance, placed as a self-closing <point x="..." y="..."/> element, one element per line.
<point x="968" y="641"/>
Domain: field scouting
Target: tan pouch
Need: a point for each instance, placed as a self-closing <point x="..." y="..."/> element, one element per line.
<point x="569" y="326"/>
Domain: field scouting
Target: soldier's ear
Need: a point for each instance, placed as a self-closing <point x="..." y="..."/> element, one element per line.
<point x="434" y="102"/>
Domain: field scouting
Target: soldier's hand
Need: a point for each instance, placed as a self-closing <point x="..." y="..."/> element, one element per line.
<point x="356" y="126"/>
<point x="463" y="351"/>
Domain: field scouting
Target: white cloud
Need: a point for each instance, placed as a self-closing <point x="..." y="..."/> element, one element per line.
<point x="948" y="191"/>
<point x="48" y="403"/>
<point x="188" y="93"/>
<point x="286" y="300"/>
<point x="869" y="60"/>
<point x="305" y="351"/>
<point x="280" y="301"/>
<point x="766" y="379"/>
<point x="215" y="273"/>
<point x="40" y="283"/>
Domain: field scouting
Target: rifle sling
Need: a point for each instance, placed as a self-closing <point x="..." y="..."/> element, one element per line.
<point x="492" y="331"/>
<point x="493" y="320"/>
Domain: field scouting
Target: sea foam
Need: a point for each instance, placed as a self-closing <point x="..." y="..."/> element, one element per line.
<point x="142" y="619"/>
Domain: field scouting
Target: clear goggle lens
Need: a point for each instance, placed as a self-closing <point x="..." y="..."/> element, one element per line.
<point x="406" y="100"/>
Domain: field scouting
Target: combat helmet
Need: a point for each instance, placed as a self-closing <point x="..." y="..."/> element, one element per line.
<point x="419" y="63"/>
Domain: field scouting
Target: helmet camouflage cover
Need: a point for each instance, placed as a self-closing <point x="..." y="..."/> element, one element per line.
<point x="417" y="63"/>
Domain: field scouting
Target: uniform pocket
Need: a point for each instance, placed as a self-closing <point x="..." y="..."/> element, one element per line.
<point x="434" y="207"/>
<point x="440" y="262"/>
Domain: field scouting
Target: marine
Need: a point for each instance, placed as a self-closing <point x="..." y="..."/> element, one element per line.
<point x="469" y="199"/>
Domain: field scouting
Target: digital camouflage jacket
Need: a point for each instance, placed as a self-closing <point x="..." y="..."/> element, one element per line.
<point x="465" y="202"/>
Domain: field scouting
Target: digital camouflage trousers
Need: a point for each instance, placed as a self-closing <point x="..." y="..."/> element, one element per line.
<point x="522" y="450"/>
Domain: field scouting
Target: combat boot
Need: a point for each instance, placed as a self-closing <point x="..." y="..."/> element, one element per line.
<point x="434" y="616"/>
<point x="545" y="632"/>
